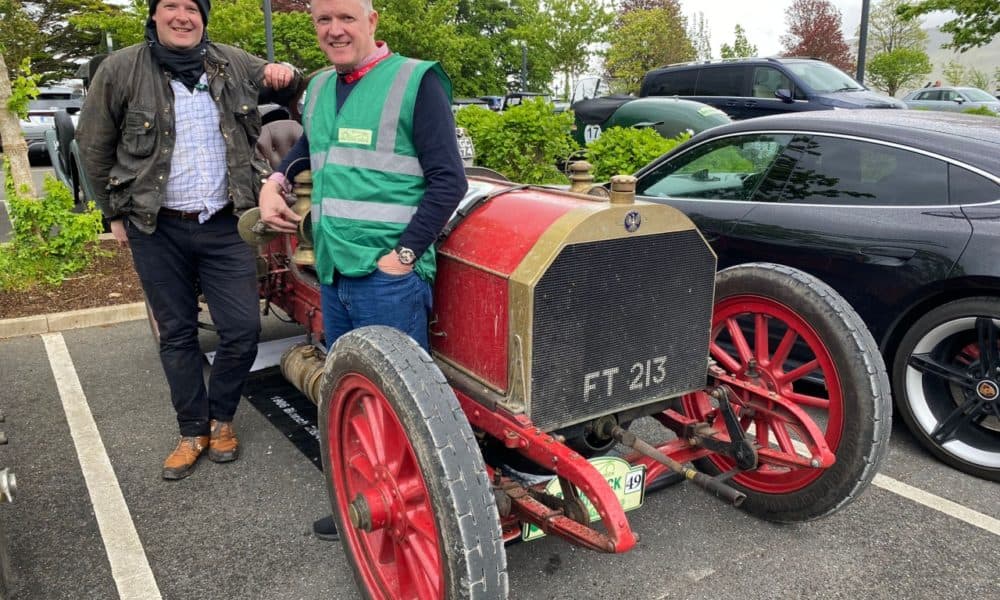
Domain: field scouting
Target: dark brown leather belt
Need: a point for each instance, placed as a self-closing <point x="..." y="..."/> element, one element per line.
<point x="177" y="214"/>
<point x="193" y="216"/>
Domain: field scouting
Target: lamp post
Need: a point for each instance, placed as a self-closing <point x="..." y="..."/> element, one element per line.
<point x="268" y="31"/>
<point x="862" y="41"/>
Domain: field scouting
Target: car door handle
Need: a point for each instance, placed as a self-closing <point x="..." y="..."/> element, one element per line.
<point x="750" y="104"/>
<point x="732" y="103"/>
<point x="887" y="255"/>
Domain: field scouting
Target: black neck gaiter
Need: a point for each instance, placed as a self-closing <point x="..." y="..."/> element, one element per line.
<point x="186" y="66"/>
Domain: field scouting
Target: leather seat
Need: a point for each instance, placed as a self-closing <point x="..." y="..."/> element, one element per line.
<point x="276" y="140"/>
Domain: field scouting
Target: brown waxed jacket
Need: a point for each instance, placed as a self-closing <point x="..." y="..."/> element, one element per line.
<point x="126" y="129"/>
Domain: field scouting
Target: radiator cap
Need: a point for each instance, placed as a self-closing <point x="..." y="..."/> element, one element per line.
<point x="623" y="189"/>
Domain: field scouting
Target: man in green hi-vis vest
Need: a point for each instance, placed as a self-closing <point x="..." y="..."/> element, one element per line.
<point x="387" y="176"/>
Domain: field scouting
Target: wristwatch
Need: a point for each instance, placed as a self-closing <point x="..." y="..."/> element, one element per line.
<point x="405" y="255"/>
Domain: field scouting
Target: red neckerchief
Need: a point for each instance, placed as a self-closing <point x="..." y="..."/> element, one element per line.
<point x="361" y="71"/>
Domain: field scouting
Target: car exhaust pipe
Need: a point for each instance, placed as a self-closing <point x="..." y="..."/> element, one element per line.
<point x="302" y="365"/>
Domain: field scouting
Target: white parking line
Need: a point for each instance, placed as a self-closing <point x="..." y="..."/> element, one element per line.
<point x="952" y="509"/>
<point x="129" y="566"/>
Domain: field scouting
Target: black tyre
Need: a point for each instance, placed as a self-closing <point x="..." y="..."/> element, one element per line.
<point x="810" y="388"/>
<point x="946" y="376"/>
<point x="405" y="477"/>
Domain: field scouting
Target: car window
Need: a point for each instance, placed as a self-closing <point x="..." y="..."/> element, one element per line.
<point x="673" y="83"/>
<point x="833" y="170"/>
<point x="767" y="80"/>
<point x="721" y="81"/>
<point x="726" y="169"/>
<point x="978" y="96"/>
<point x="822" y="77"/>
<point x="966" y="187"/>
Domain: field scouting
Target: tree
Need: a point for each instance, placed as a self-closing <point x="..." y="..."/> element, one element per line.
<point x="13" y="107"/>
<point x="700" y="34"/>
<point x="60" y="44"/>
<point x="646" y="39"/>
<point x="814" y="30"/>
<point x="574" y="24"/>
<point x="976" y="24"/>
<point x="887" y="31"/>
<point x="741" y="46"/>
<point x="290" y="6"/>
<point x="955" y="73"/>
<point x="15" y="26"/>
<point x="17" y="33"/>
<point x="978" y="79"/>
<point x="898" y="69"/>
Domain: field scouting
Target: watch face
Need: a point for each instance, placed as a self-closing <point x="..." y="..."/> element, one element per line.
<point x="406" y="256"/>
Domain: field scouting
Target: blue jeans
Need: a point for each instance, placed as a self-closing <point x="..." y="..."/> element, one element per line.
<point x="400" y="301"/>
<point x="170" y="262"/>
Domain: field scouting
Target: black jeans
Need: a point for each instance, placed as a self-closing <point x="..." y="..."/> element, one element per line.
<point x="171" y="263"/>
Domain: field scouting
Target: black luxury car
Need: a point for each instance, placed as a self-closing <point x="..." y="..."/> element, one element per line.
<point x="899" y="211"/>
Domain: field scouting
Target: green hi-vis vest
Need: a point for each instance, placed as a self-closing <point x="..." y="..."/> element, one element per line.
<point x="367" y="180"/>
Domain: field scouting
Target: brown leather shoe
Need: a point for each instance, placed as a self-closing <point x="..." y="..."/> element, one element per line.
<point x="181" y="461"/>
<point x="223" y="445"/>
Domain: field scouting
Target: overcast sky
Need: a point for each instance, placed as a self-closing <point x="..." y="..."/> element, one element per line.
<point x="764" y="20"/>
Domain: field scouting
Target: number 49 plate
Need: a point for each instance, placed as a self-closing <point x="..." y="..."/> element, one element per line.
<point x="626" y="481"/>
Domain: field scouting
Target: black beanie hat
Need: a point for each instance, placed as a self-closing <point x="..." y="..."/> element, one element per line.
<point x="203" y="6"/>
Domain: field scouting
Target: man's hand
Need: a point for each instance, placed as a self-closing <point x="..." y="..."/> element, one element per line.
<point x="274" y="211"/>
<point x="278" y="76"/>
<point x="390" y="264"/>
<point x="118" y="230"/>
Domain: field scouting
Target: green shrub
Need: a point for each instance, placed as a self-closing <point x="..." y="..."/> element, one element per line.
<point x="980" y="110"/>
<point x="524" y="143"/>
<point x="624" y="150"/>
<point x="49" y="241"/>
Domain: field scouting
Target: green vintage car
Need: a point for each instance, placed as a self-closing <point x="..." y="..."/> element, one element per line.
<point x="668" y="116"/>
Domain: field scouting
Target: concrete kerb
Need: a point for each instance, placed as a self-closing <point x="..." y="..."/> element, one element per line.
<point x="74" y="319"/>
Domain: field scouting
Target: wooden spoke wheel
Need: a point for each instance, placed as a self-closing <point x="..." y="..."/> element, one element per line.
<point x="407" y="483"/>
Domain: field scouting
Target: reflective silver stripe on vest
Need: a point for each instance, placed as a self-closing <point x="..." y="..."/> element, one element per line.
<point x="320" y="81"/>
<point x="367" y="211"/>
<point x="383" y="158"/>
<point x="372" y="159"/>
<point x="392" y="107"/>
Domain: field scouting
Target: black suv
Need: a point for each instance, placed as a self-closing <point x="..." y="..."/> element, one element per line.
<point x="756" y="87"/>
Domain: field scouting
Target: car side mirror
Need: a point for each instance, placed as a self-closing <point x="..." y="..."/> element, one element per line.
<point x="784" y="95"/>
<point x="960" y="100"/>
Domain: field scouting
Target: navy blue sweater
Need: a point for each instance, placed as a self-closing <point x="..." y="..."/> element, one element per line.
<point x="437" y="150"/>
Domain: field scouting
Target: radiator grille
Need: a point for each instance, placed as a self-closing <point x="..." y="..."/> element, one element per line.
<point x="620" y="323"/>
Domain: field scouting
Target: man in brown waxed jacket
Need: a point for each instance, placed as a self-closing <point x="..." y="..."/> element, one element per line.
<point x="166" y="137"/>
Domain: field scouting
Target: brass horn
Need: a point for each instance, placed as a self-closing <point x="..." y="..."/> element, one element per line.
<point x="304" y="254"/>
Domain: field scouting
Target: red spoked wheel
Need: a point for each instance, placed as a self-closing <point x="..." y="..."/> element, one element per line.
<point x="807" y="384"/>
<point x="406" y="481"/>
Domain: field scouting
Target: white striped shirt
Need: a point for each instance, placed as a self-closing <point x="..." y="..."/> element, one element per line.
<point x="197" y="180"/>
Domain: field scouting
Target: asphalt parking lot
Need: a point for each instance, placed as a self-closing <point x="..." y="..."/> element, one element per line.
<point x="89" y="422"/>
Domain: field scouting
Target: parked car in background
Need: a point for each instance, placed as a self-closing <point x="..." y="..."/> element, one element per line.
<point x="954" y="99"/>
<point x="898" y="211"/>
<point x="41" y="115"/>
<point x="755" y="87"/>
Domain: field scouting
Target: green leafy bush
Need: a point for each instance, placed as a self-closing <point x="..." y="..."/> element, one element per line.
<point x="23" y="89"/>
<point x="981" y="110"/>
<point x="49" y="241"/>
<point x="524" y="143"/>
<point x="623" y="150"/>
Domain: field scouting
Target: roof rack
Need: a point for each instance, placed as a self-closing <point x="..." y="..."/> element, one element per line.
<point x="719" y="61"/>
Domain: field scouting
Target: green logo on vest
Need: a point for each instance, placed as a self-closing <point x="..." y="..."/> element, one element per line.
<point x="354" y="136"/>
